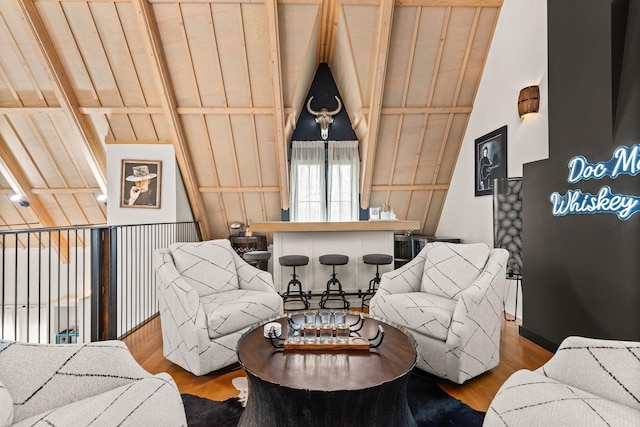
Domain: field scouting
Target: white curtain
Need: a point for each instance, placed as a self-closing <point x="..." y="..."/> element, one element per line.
<point x="344" y="173"/>
<point x="307" y="198"/>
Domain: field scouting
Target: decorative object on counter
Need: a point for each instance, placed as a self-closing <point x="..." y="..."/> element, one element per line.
<point x="382" y="213"/>
<point x="236" y="229"/>
<point x="374" y="214"/>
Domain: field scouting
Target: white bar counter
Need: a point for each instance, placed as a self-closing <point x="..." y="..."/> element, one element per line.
<point x="313" y="239"/>
<point x="286" y="226"/>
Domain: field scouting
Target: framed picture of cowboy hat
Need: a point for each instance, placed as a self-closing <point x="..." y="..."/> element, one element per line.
<point x="490" y="160"/>
<point x="141" y="184"/>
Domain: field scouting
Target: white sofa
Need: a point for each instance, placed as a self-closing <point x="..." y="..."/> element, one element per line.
<point x="450" y="297"/>
<point x="588" y="382"/>
<point x="208" y="297"/>
<point x="97" y="384"/>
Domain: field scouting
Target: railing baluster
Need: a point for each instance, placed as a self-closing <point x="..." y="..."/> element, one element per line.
<point x="15" y="295"/>
<point x="39" y="285"/>
<point x="28" y="283"/>
<point x="122" y="255"/>
<point x="49" y="304"/>
<point x="4" y="272"/>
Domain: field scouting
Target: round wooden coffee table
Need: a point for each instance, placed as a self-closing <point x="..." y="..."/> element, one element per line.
<point x="328" y="388"/>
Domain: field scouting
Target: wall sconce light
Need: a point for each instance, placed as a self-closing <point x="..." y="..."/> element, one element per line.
<point x="19" y="200"/>
<point x="528" y="101"/>
<point x="102" y="198"/>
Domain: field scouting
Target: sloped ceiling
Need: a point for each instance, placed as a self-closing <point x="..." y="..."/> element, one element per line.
<point x="224" y="81"/>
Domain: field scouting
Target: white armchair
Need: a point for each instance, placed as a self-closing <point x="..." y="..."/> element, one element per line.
<point x="208" y="297"/>
<point x="98" y="384"/>
<point x="587" y="382"/>
<point x="450" y="297"/>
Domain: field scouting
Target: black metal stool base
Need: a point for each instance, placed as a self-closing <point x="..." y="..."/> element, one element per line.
<point x="330" y="294"/>
<point x="377" y="260"/>
<point x="370" y="292"/>
<point x="295" y="295"/>
<point x="294" y="292"/>
<point x="334" y="295"/>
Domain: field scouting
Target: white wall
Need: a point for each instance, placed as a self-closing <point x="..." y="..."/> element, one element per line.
<point x="173" y="200"/>
<point x="518" y="58"/>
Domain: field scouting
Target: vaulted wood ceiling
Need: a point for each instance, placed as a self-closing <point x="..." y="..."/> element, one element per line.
<point x="224" y="81"/>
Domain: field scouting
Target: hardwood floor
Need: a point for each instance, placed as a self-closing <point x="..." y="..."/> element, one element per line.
<point x="516" y="353"/>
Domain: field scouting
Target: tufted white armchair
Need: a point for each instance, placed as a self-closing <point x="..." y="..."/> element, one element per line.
<point x="450" y="297"/>
<point x="208" y="297"/>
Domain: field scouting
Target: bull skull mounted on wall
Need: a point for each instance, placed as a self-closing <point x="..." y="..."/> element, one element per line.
<point x="324" y="117"/>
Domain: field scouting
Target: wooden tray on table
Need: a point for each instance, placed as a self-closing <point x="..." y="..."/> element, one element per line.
<point x="355" y="343"/>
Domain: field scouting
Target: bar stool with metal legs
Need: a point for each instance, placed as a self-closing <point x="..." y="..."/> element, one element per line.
<point x="377" y="260"/>
<point x="294" y="294"/>
<point x="330" y="294"/>
<point x="257" y="258"/>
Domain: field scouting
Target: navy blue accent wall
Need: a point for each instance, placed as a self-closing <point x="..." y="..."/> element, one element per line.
<point x="582" y="272"/>
<point x="323" y="89"/>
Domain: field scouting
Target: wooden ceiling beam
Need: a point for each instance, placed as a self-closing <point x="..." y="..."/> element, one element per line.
<point x="146" y="110"/>
<point x="258" y="189"/>
<point x="328" y="19"/>
<point x="385" y="22"/>
<point x="410" y="187"/>
<point x="423" y="3"/>
<point x="427" y="110"/>
<point x="271" y="7"/>
<point x="31" y="110"/>
<point x="91" y="146"/>
<point x="13" y="173"/>
<point x="450" y="3"/>
<point x="151" y="38"/>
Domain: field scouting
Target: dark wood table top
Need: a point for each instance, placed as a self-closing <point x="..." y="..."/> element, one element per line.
<point x="329" y="370"/>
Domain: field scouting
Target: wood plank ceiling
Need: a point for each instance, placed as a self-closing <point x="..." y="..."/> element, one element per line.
<point x="224" y="81"/>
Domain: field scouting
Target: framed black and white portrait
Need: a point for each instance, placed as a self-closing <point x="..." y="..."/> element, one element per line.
<point x="140" y="182"/>
<point x="490" y="152"/>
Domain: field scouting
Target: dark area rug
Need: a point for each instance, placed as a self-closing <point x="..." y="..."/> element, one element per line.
<point x="429" y="404"/>
<point x="203" y="412"/>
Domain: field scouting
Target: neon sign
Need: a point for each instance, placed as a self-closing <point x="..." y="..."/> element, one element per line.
<point x="625" y="161"/>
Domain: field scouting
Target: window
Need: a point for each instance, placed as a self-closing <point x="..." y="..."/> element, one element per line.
<point x="308" y="195"/>
<point x="344" y="170"/>
<point x="312" y="197"/>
